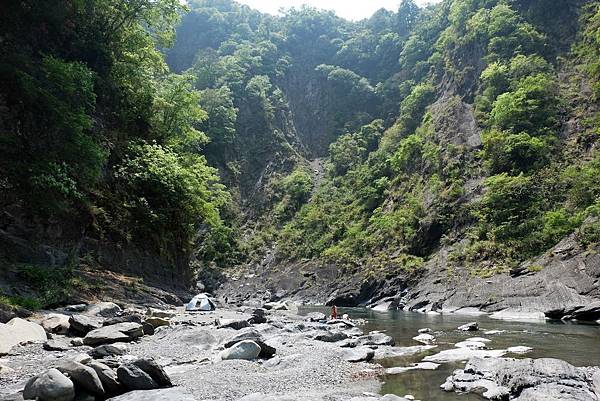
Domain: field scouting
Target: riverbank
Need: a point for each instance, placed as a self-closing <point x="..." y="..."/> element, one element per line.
<point x="308" y="363"/>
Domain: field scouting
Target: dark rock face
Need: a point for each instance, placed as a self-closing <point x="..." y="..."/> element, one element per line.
<point x="155" y="371"/>
<point x="524" y="380"/>
<point x="564" y="284"/>
<point x="134" y="378"/>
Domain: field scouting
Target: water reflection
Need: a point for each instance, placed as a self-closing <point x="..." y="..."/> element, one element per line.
<point x="578" y="344"/>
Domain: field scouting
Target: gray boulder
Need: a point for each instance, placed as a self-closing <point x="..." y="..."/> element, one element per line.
<point x="473" y="326"/>
<point x="19" y="331"/>
<point x="331" y="336"/>
<point x="83" y="376"/>
<point x="50" y="386"/>
<point x="251" y="334"/>
<point x="360" y="354"/>
<point x="155" y="371"/>
<point x="134" y="378"/>
<point x="56" y="345"/>
<point x="81" y="324"/>
<point x="106" y="350"/>
<point x="524" y="380"/>
<point x="108" y="377"/>
<point x="248" y="350"/>
<point x="136" y="318"/>
<point x="236" y="324"/>
<point x="157" y="322"/>
<point x="122" y="332"/>
<point x="376" y="339"/>
<point x="56" y="323"/>
<point x="103" y="309"/>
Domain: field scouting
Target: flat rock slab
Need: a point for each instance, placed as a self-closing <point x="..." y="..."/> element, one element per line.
<point x="414" y="366"/>
<point x="121" y="332"/>
<point x="463" y="354"/>
<point x="361" y="354"/>
<point x="524" y="380"/>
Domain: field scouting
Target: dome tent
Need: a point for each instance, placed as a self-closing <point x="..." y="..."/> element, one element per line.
<point x="201" y="302"/>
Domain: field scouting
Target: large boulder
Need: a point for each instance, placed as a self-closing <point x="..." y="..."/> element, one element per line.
<point x="83" y="376"/>
<point x="155" y="371"/>
<point x="266" y="351"/>
<point x="376" y="339"/>
<point x="106" y="350"/>
<point x="236" y="324"/>
<point x="56" y="345"/>
<point x="524" y="380"/>
<point x="463" y="354"/>
<point x="122" y="332"/>
<point x="164" y="314"/>
<point x="19" y="331"/>
<point x="103" y="309"/>
<point x="360" y="354"/>
<point x="331" y="336"/>
<point x="157" y="322"/>
<point x="56" y="323"/>
<point x="81" y="324"/>
<point x="50" y="386"/>
<point x="472" y="326"/>
<point x="248" y="350"/>
<point x="134" y="378"/>
<point x="108" y="377"/>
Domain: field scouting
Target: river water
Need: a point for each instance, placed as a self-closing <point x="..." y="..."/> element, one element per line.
<point x="578" y="344"/>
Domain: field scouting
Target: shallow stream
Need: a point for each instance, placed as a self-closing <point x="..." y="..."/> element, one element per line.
<point x="578" y="344"/>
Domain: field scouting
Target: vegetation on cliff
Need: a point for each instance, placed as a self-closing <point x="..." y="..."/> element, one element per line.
<point x="469" y="124"/>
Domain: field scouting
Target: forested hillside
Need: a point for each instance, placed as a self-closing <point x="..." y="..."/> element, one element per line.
<point x="468" y="123"/>
<point x="467" y="129"/>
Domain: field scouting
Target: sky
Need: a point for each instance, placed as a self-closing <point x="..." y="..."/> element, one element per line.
<point x="349" y="9"/>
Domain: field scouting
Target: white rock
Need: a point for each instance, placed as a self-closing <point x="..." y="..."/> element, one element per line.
<point x="248" y="350"/>
<point x="519" y="349"/>
<point x="463" y="354"/>
<point x="471" y="345"/>
<point x="492" y="332"/>
<point x="19" y="331"/>
<point x="479" y="339"/>
<point x="425" y="339"/>
<point x="414" y="366"/>
<point x="523" y="315"/>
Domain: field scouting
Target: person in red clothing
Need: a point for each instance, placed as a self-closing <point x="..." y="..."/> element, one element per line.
<point x="333" y="312"/>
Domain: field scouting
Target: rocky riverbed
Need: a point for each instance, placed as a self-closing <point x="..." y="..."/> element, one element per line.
<point x="104" y="351"/>
<point x="227" y="354"/>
